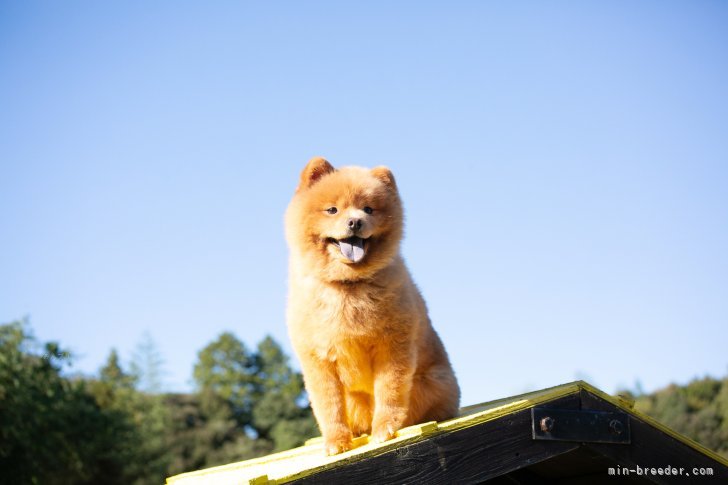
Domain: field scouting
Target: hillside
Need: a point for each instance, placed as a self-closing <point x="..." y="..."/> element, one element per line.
<point x="698" y="410"/>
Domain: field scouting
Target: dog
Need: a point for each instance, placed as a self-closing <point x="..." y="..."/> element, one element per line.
<point x="372" y="362"/>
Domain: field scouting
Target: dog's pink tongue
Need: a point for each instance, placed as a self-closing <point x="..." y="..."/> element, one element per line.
<point x="352" y="248"/>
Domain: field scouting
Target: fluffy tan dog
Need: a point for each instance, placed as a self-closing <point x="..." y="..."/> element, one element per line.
<point x="372" y="362"/>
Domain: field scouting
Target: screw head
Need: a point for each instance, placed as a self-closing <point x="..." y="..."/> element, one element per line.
<point x="547" y="424"/>
<point x="616" y="426"/>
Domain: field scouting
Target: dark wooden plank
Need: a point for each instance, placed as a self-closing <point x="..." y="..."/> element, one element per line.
<point x="470" y="455"/>
<point x="580" y="466"/>
<point x="652" y="448"/>
<point x="520" y="477"/>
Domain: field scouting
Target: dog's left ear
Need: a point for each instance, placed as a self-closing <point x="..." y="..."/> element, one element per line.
<point x="316" y="168"/>
<point x="385" y="175"/>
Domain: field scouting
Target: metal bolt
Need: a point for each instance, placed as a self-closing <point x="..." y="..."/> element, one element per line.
<point x="616" y="426"/>
<point x="547" y="424"/>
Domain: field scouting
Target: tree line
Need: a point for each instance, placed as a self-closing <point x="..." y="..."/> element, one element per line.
<point x="58" y="429"/>
<point x="116" y="427"/>
<point x="698" y="410"/>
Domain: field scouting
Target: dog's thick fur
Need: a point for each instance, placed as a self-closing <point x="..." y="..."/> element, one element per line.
<point x="372" y="362"/>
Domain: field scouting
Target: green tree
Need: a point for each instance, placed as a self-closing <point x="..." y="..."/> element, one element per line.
<point x="278" y="414"/>
<point x="698" y="410"/>
<point x="112" y="381"/>
<point x="147" y="365"/>
<point x="82" y="430"/>
<point x="258" y="391"/>
<point x="226" y="370"/>
<point x="141" y="437"/>
<point x="201" y="439"/>
<point x="51" y="428"/>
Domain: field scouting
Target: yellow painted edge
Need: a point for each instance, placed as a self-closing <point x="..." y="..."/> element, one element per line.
<point x="283" y="455"/>
<point x="314" y="441"/>
<point x="418" y="429"/>
<point x="426" y="428"/>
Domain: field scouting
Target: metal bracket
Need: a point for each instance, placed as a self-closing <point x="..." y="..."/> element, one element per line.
<point x="584" y="425"/>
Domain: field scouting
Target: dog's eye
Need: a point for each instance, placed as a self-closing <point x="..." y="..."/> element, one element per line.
<point x="332" y="210"/>
<point x="368" y="210"/>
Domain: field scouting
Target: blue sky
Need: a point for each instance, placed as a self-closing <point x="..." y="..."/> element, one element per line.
<point x="563" y="166"/>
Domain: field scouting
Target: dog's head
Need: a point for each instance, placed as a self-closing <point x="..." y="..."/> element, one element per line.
<point x="346" y="223"/>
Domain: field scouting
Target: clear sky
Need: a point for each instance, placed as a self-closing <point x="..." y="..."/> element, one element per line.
<point x="564" y="168"/>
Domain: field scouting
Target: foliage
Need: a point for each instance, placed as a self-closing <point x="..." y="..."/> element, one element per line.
<point x="114" y="429"/>
<point x="146" y="365"/>
<point x="277" y="415"/>
<point x="259" y="391"/>
<point x="144" y="444"/>
<point x="200" y="439"/>
<point x="225" y="370"/>
<point x="51" y="428"/>
<point x="698" y="410"/>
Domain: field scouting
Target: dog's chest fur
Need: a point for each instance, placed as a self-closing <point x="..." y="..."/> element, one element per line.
<point x="352" y="318"/>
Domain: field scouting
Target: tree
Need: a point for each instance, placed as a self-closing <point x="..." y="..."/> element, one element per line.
<point x="112" y="381"/>
<point x="277" y="413"/>
<point x="200" y="439"/>
<point x="258" y="390"/>
<point x="698" y="410"/>
<point x="225" y="369"/>
<point x="51" y="428"/>
<point x="147" y="365"/>
<point x="141" y="442"/>
<point x="84" y="430"/>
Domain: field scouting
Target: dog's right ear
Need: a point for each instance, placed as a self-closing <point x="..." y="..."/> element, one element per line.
<point x="316" y="168"/>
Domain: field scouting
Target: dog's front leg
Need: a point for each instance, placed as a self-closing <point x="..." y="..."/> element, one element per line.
<point x="327" y="400"/>
<point x="393" y="370"/>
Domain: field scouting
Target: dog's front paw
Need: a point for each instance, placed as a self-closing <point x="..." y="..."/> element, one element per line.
<point x="338" y="443"/>
<point x="387" y="422"/>
<point x="383" y="432"/>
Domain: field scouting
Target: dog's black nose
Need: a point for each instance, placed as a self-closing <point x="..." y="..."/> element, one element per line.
<point x="354" y="224"/>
